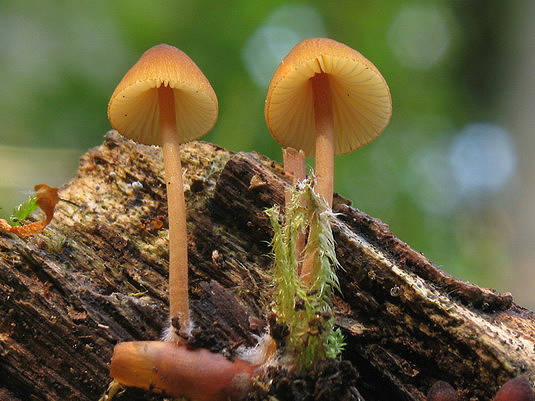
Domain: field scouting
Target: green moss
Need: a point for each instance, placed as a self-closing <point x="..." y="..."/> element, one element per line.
<point x="306" y="311"/>
<point x="22" y="211"/>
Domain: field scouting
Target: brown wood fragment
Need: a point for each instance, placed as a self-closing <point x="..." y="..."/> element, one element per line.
<point x="47" y="199"/>
<point x="97" y="276"/>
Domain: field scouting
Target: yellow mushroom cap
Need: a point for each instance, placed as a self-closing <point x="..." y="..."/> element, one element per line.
<point x="361" y="100"/>
<point x="133" y="109"/>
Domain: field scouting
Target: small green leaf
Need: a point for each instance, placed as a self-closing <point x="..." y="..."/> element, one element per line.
<point x="22" y="211"/>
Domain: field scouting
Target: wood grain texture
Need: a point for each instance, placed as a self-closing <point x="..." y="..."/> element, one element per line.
<point x="98" y="275"/>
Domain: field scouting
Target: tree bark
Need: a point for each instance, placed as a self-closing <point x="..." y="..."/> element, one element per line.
<point x="98" y="275"/>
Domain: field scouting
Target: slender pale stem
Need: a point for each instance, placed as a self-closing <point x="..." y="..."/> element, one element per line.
<point x="178" y="239"/>
<point x="295" y="167"/>
<point x="323" y="116"/>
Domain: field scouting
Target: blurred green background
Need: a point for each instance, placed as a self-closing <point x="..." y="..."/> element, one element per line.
<point x="452" y="175"/>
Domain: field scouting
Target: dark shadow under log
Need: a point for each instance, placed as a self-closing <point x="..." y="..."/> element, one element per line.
<point x="97" y="276"/>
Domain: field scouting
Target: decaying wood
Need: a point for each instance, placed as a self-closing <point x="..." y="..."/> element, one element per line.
<point x="97" y="276"/>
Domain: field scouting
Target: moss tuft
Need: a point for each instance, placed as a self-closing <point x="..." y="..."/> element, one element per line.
<point x="305" y="310"/>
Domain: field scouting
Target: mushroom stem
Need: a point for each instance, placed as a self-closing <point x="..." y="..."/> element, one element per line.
<point x="323" y="116"/>
<point x="295" y="167"/>
<point x="178" y="243"/>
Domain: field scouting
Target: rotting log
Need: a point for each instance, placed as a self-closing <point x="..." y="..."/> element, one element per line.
<point x="97" y="276"/>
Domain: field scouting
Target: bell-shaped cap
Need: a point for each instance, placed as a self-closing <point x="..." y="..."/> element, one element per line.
<point x="361" y="101"/>
<point x="134" y="111"/>
<point x="517" y="389"/>
<point x="441" y="391"/>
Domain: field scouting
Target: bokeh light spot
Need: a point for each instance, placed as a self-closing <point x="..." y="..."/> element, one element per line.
<point x="264" y="50"/>
<point x="282" y="30"/>
<point x="429" y="180"/>
<point x="482" y="159"/>
<point x="420" y="36"/>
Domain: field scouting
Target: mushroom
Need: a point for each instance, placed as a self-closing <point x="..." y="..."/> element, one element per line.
<point x="165" y="99"/>
<point x="326" y="99"/>
<point x="517" y="389"/>
<point x="442" y="391"/>
<point x="180" y="371"/>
